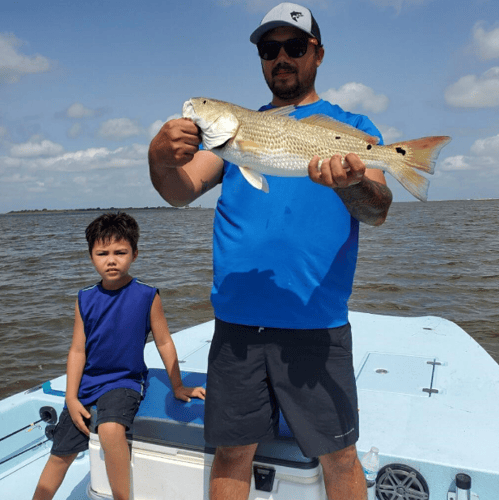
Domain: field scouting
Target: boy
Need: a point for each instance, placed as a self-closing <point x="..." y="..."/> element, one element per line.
<point x="106" y="358"/>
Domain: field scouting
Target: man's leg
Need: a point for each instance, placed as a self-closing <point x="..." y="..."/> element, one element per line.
<point x="231" y="472"/>
<point x="343" y="475"/>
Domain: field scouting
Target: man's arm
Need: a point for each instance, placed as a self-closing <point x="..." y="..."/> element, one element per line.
<point x="363" y="191"/>
<point x="179" y="171"/>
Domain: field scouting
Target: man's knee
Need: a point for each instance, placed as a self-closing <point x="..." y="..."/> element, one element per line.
<point x="236" y="454"/>
<point x="342" y="460"/>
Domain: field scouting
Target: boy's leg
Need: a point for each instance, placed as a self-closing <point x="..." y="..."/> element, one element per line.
<point x="52" y="476"/>
<point x="116" y="410"/>
<point x="112" y="437"/>
<point x="68" y="441"/>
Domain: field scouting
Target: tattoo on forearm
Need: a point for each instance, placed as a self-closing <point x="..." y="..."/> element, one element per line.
<point x="367" y="201"/>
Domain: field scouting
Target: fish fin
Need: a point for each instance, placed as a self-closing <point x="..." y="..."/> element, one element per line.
<point x="281" y="111"/>
<point x="339" y="127"/>
<point x="422" y="153"/>
<point x="257" y="180"/>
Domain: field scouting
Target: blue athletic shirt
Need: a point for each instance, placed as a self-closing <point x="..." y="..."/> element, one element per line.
<point x="285" y="259"/>
<point x="117" y="323"/>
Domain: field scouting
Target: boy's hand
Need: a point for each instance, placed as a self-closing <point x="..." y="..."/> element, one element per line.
<point x="78" y="413"/>
<point x="186" y="393"/>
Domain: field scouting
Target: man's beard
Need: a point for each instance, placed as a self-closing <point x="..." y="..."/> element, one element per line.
<point x="294" y="90"/>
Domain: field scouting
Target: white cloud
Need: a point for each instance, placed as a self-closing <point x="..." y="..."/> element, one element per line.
<point x="390" y="134"/>
<point x="487" y="147"/>
<point x="154" y="128"/>
<point x="357" y="95"/>
<point x="14" y="65"/>
<point x="475" y="92"/>
<point x="78" y="179"/>
<point x="398" y="4"/>
<point x="93" y="159"/>
<point x="118" y="129"/>
<point x="18" y="178"/>
<point x="486" y="44"/>
<point x="484" y="157"/>
<point x="77" y="110"/>
<point x="82" y="181"/>
<point x="37" y="187"/>
<point x="176" y="116"/>
<point x="453" y="163"/>
<point x="36" y="146"/>
<point x="75" y="131"/>
<point x="266" y="5"/>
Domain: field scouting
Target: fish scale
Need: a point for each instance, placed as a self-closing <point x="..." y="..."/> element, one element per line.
<point x="274" y="143"/>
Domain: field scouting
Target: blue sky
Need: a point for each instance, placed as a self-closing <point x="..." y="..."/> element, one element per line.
<point x="84" y="86"/>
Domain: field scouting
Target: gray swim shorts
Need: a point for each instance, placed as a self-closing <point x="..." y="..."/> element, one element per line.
<point x="307" y="374"/>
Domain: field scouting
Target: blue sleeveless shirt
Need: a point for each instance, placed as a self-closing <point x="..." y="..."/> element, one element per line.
<point x="117" y="323"/>
<point x="285" y="259"/>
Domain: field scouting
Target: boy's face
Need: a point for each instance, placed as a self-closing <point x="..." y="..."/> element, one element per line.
<point x="112" y="260"/>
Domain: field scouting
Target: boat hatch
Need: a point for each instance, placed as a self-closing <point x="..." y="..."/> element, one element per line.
<point x="412" y="375"/>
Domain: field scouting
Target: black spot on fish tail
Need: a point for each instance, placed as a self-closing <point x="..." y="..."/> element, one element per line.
<point x="402" y="151"/>
<point x="369" y="146"/>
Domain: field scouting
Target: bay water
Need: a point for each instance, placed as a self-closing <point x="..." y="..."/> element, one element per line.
<point x="434" y="258"/>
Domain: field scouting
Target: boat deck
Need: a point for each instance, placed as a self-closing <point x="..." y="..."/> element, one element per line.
<point x="428" y="399"/>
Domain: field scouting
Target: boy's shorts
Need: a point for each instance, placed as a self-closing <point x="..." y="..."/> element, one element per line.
<point x="307" y="374"/>
<point x="117" y="405"/>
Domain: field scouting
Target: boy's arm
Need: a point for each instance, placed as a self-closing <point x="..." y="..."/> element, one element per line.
<point x="76" y="364"/>
<point x="168" y="353"/>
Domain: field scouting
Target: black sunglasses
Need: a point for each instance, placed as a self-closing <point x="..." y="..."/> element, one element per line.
<point x="295" y="48"/>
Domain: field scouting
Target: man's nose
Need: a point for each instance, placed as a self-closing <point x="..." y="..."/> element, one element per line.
<point x="282" y="54"/>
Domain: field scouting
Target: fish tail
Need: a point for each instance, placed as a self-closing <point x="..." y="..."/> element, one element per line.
<point x="416" y="184"/>
<point x="422" y="153"/>
<point x="418" y="154"/>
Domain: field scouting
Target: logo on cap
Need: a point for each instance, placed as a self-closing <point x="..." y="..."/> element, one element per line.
<point x="295" y="15"/>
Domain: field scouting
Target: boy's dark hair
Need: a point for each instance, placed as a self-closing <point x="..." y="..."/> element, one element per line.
<point x="113" y="226"/>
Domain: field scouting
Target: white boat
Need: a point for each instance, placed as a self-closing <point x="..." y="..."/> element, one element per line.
<point x="428" y="400"/>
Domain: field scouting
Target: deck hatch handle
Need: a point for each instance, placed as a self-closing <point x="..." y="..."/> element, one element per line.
<point x="431" y="390"/>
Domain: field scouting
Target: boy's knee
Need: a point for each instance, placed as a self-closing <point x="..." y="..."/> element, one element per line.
<point x="62" y="461"/>
<point x="110" y="432"/>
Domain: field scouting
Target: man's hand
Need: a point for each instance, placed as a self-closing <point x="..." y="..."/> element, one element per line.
<point x="78" y="413"/>
<point x="175" y="144"/>
<point x="186" y="393"/>
<point x="337" y="174"/>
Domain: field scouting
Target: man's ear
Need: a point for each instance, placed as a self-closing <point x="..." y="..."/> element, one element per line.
<point x="320" y="55"/>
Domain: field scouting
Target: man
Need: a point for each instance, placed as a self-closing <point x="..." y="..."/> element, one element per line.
<point x="283" y="272"/>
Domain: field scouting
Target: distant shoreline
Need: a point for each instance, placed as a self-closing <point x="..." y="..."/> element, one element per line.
<point x="97" y="209"/>
<point x="114" y="209"/>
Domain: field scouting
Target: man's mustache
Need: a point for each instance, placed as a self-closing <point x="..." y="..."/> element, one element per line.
<point x="284" y="67"/>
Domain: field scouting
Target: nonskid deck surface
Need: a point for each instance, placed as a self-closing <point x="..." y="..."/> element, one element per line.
<point x="428" y="397"/>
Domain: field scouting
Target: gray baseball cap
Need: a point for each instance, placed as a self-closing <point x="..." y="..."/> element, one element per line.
<point x="288" y="14"/>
